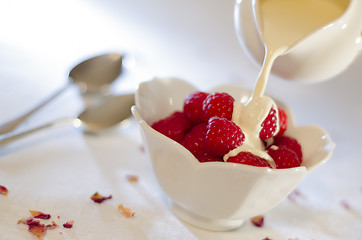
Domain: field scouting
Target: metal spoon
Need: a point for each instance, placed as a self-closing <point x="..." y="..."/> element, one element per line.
<point x="90" y="75"/>
<point x="113" y="110"/>
<point x="96" y="73"/>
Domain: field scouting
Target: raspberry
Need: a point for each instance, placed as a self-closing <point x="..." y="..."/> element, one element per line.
<point x="283" y="157"/>
<point x="173" y="126"/>
<point x="283" y="122"/>
<point x="218" y="104"/>
<point x="222" y="136"/>
<point x="193" y="106"/>
<point x="249" y="159"/>
<point x="292" y="144"/>
<point x="194" y="140"/>
<point x="208" y="158"/>
<point x="269" y="125"/>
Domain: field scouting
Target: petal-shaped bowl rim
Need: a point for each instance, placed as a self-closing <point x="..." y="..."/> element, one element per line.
<point x="192" y="185"/>
<point x="232" y="89"/>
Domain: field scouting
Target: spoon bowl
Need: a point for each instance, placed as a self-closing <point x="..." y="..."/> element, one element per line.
<point x="94" y="74"/>
<point x="109" y="112"/>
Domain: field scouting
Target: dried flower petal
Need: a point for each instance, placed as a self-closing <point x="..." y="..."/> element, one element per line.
<point x="37" y="230"/>
<point x="68" y="224"/>
<point x="34" y="226"/>
<point x="126" y="211"/>
<point x="132" y="178"/>
<point x="98" y="198"/>
<point x="293" y="195"/>
<point x="32" y="222"/>
<point x="23" y="221"/>
<point x="52" y="225"/>
<point x="40" y="215"/>
<point x="3" y="190"/>
<point x="345" y="204"/>
<point x="258" y="220"/>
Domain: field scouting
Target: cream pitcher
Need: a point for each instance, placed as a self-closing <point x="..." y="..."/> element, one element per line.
<point x="320" y="38"/>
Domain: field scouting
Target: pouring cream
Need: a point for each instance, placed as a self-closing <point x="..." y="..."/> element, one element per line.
<point x="281" y="24"/>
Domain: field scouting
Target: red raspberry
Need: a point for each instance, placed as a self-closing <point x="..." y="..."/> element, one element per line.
<point x="283" y="157"/>
<point x="292" y="144"/>
<point x="193" y="106"/>
<point x="269" y="125"/>
<point x="283" y="122"/>
<point x="218" y="104"/>
<point x="209" y="158"/>
<point x="222" y="136"/>
<point x="173" y="126"/>
<point x="194" y="140"/>
<point x="249" y="159"/>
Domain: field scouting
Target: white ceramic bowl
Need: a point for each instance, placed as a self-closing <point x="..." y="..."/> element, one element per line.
<point x="216" y="195"/>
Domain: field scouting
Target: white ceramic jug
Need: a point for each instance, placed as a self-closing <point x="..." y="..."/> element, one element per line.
<point x="319" y="56"/>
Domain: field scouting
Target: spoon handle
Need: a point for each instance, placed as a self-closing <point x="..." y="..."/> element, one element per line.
<point x="11" y="125"/>
<point x="9" y="139"/>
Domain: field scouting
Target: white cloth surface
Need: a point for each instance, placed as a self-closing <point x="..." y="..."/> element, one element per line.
<point x="57" y="170"/>
<point x="59" y="179"/>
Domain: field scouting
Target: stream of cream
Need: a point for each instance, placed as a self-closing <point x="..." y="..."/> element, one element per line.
<point x="282" y="24"/>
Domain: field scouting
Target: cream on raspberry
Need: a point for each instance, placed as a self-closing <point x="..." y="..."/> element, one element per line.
<point x="249" y="117"/>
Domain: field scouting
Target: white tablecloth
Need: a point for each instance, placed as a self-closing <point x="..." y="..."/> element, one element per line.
<point x="57" y="170"/>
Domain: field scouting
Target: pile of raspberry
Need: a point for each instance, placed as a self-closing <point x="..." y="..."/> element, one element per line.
<point x="204" y="127"/>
